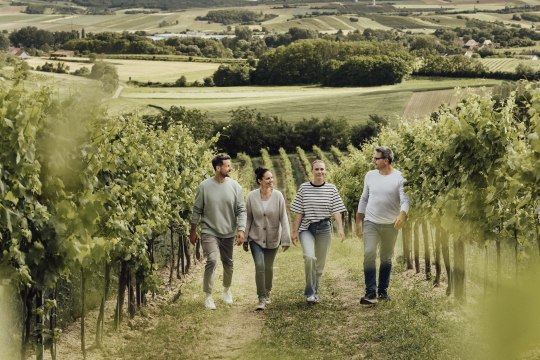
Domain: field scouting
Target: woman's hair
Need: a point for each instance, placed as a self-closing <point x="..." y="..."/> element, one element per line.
<point x="259" y="173"/>
<point x="315" y="162"/>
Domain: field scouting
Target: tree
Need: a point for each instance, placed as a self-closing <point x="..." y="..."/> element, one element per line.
<point x="4" y="42"/>
<point x="107" y="74"/>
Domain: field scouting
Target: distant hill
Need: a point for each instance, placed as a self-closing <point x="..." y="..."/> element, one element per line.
<point x="183" y="4"/>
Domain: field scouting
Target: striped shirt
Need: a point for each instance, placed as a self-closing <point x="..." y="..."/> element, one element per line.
<point x="316" y="203"/>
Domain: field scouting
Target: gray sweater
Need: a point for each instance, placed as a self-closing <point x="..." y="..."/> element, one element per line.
<point x="267" y="227"/>
<point x="220" y="208"/>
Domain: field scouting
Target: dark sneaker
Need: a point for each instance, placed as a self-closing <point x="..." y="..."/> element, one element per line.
<point x="368" y="299"/>
<point x="384" y="297"/>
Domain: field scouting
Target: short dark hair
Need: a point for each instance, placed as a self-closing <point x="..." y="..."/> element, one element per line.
<point x="259" y="173"/>
<point x="386" y="153"/>
<point x="218" y="159"/>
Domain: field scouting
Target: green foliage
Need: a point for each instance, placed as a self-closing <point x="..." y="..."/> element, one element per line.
<point x="232" y="75"/>
<point x="107" y="74"/>
<point x="455" y="66"/>
<point x="308" y="61"/>
<point x="76" y="192"/>
<point x="472" y="165"/>
<point x="234" y="16"/>
<point x="60" y="68"/>
<point x="367" y="71"/>
<point x="245" y="173"/>
<point x="290" y="185"/>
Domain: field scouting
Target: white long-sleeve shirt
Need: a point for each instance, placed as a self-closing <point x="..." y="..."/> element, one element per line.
<point x="383" y="197"/>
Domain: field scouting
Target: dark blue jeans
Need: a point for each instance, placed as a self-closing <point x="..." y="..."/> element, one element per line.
<point x="264" y="267"/>
<point x="384" y="235"/>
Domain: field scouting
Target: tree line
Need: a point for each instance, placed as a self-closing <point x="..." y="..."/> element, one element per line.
<point x="247" y="131"/>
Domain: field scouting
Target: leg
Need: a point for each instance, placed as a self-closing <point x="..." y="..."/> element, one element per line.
<point x="308" y="248"/>
<point x="322" y="244"/>
<point x="371" y="238"/>
<point x="269" y="256"/>
<point x="226" y="246"/>
<point x="259" y="258"/>
<point x="211" y="249"/>
<point x="388" y="241"/>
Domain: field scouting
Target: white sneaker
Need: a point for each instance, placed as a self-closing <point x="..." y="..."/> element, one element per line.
<point x="312" y="299"/>
<point x="209" y="303"/>
<point x="267" y="298"/>
<point x="261" y="305"/>
<point x="227" y="296"/>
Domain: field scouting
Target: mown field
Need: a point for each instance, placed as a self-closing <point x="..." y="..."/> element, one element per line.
<point x="141" y="70"/>
<point x="293" y="103"/>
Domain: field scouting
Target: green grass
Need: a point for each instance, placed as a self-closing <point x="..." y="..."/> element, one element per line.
<point x="294" y="103"/>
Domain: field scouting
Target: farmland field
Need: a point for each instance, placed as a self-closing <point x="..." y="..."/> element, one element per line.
<point x="141" y="70"/>
<point x="424" y="103"/>
<point x="508" y="64"/>
<point x="294" y="103"/>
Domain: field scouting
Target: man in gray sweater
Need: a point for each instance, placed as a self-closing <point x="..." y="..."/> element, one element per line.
<point x="220" y="209"/>
<point x="382" y="210"/>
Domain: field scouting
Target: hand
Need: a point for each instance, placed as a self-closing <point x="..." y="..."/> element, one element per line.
<point x="400" y="220"/>
<point x="193" y="237"/>
<point x="295" y="238"/>
<point x="285" y="248"/>
<point x="240" y="237"/>
<point x="358" y="230"/>
<point x="341" y="234"/>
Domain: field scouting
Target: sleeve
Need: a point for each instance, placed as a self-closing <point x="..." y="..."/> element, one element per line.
<point x="362" y="204"/>
<point x="249" y="216"/>
<point x="403" y="198"/>
<point x="284" y="221"/>
<point x="297" y="205"/>
<point x="198" y="206"/>
<point x="337" y="203"/>
<point x="240" y="210"/>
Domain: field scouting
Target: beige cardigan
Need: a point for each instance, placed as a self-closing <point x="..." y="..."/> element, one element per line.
<point x="268" y="228"/>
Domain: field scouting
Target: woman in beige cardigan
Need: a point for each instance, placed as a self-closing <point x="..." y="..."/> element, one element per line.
<point x="267" y="228"/>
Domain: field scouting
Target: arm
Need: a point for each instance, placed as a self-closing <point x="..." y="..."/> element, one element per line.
<point x="249" y="222"/>
<point x="284" y="222"/>
<point x="362" y="206"/>
<point x="296" y="227"/>
<point x="198" y="208"/>
<point x="241" y="217"/>
<point x="339" y="221"/>
<point x="358" y="223"/>
<point x="404" y="206"/>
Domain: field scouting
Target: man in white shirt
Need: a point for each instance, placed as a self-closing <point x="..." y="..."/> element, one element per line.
<point x="382" y="210"/>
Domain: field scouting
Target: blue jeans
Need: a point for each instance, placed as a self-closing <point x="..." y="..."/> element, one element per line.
<point x="315" y="244"/>
<point x="385" y="235"/>
<point x="264" y="267"/>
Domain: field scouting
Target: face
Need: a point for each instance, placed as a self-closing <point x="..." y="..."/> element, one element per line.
<point x="378" y="161"/>
<point x="319" y="170"/>
<point x="267" y="180"/>
<point x="224" y="169"/>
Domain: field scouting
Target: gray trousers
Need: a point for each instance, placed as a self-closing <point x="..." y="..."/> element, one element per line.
<point x="211" y="246"/>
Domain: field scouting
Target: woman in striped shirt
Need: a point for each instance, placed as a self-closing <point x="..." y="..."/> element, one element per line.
<point x="314" y="204"/>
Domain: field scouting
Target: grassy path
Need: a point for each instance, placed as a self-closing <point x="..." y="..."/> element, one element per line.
<point x="420" y="322"/>
<point x="288" y="329"/>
